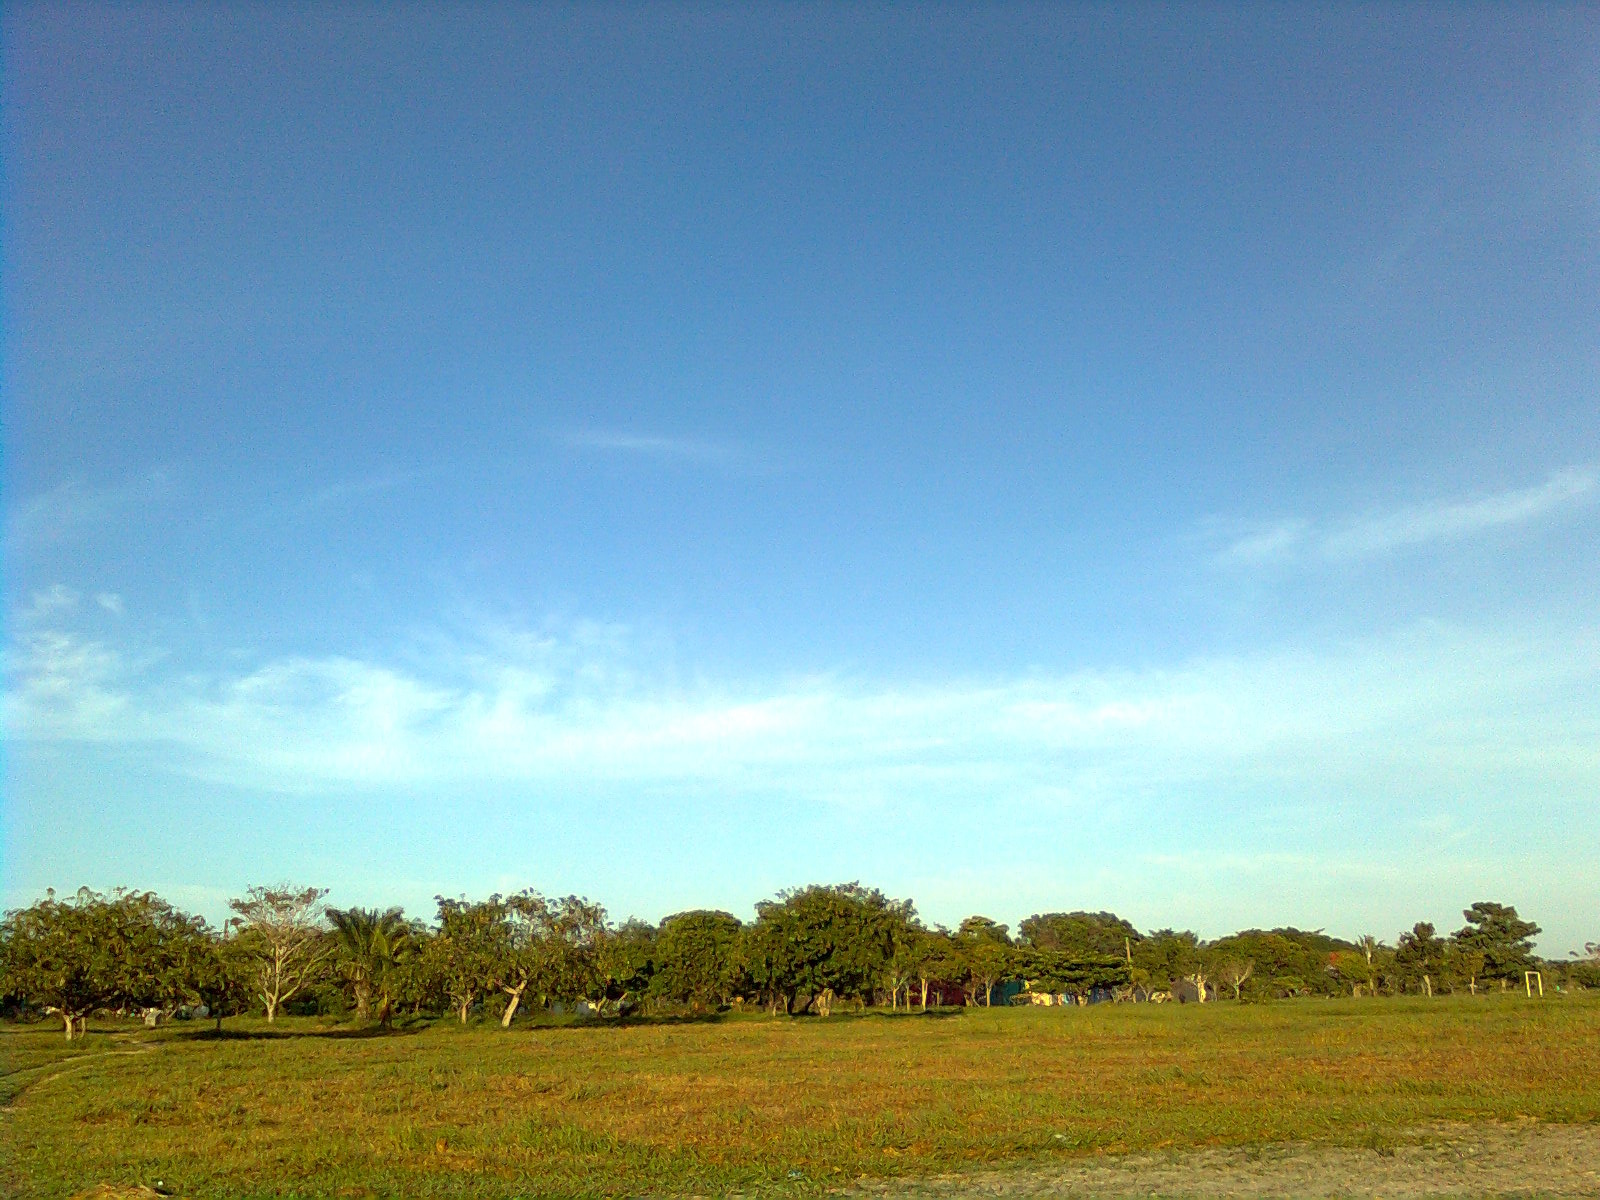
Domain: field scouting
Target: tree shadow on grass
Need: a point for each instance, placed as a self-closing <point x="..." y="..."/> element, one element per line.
<point x="632" y="1021"/>
<point x="730" y="1016"/>
<point x="341" y="1033"/>
<point x="932" y="1014"/>
<point x="546" y="1024"/>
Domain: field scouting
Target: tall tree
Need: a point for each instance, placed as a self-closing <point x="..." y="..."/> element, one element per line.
<point x="1503" y="938"/>
<point x="1288" y="961"/>
<point x="1419" y="957"/>
<point x="282" y="936"/>
<point x="1165" y="957"/>
<point x="699" y="958"/>
<point x="1233" y="970"/>
<point x="373" y="947"/>
<point x="821" y="942"/>
<point x="934" y="958"/>
<point x="554" y="948"/>
<point x="1085" y="934"/>
<point x="1585" y="971"/>
<point x="1070" y="972"/>
<point x="463" y="954"/>
<point x="222" y="976"/>
<point x="988" y="955"/>
<point x="125" y="950"/>
<point x="628" y="961"/>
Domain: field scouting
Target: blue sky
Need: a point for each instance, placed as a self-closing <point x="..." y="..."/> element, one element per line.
<point x="1022" y="457"/>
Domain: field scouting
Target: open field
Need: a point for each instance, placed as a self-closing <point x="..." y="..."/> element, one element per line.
<point x="752" y="1103"/>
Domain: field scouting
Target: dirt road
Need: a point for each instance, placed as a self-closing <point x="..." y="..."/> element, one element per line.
<point x="1456" y="1160"/>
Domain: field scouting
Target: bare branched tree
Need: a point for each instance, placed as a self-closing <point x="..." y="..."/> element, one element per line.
<point x="283" y="933"/>
<point x="1234" y="971"/>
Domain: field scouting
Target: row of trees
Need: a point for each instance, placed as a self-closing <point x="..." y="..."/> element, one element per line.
<point x="807" y="950"/>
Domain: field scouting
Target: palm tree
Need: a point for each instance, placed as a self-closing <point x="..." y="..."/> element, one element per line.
<point x="372" y="948"/>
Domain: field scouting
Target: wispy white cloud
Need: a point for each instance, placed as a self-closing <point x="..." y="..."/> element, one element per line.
<point x="71" y="507"/>
<point x="54" y="600"/>
<point x="1433" y="705"/>
<point x="350" y="490"/>
<point x="680" y="449"/>
<point x="315" y="501"/>
<point x="111" y="602"/>
<point x="1376" y="533"/>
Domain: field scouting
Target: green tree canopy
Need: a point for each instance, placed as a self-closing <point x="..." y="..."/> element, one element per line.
<point x="373" y="949"/>
<point x="1504" y="939"/>
<point x="987" y="954"/>
<point x="555" y="949"/>
<point x="1284" y="961"/>
<point x="463" y="956"/>
<point x="1072" y="972"/>
<point x="1165" y="956"/>
<point x="699" y="958"/>
<point x="126" y="949"/>
<point x="629" y="960"/>
<point x="820" y="939"/>
<point x="1085" y="934"/>
<point x="281" y="941"/>
<point x="1419" y="955"/>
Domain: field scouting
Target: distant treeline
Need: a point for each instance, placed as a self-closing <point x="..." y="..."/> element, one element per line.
<point x="808" y="950"/>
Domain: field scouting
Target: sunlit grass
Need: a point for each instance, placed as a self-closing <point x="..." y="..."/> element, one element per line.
<point x="753" y="1102"/>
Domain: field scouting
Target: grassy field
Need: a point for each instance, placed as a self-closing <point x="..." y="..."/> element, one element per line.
<point x="752" y="1103"/>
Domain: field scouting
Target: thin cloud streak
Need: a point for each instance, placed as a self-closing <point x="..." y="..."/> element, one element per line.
<point x="72" y="507"/>
<point x="1431" y="705"/>
<point x="1379" y="533"/>
<point x="681" y="449"/>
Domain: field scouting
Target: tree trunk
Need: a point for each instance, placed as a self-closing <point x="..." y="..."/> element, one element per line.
<point x="466" y="1003"/>
<point x="924" y="995"/>
<point x="363" y="1000"/>
<point x="272" y="1008"/>
<point x="511" y="1009"/>
<point x="72" y="1023"/>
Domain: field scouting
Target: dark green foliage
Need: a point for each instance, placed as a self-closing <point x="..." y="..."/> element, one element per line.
<point x="699" y="959"/>
<point x="1071" y="972"/>
<point x="1585" y="972"/>
<point x="629" y="962"/>
<point x="1504" y="939"/>
<point x="1285" y="962"/>
<point x="808" y="949"/>
<point x="127" y="950"/>
<point x="1164" y="957"/>
<point x="461" y="959"/>
<point x="930" y="957"/>
<point x="553" y="950"/>
<point x="373" y="950"/>
<point x="220" y="977"/>
<point x="1421" y="955"/>
<point x="819" y="941"/>
<point x="1085" y="934"/>
<point x="984" y="949"/>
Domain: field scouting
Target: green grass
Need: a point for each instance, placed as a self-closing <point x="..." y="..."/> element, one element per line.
<point x="752" y="1103"/>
